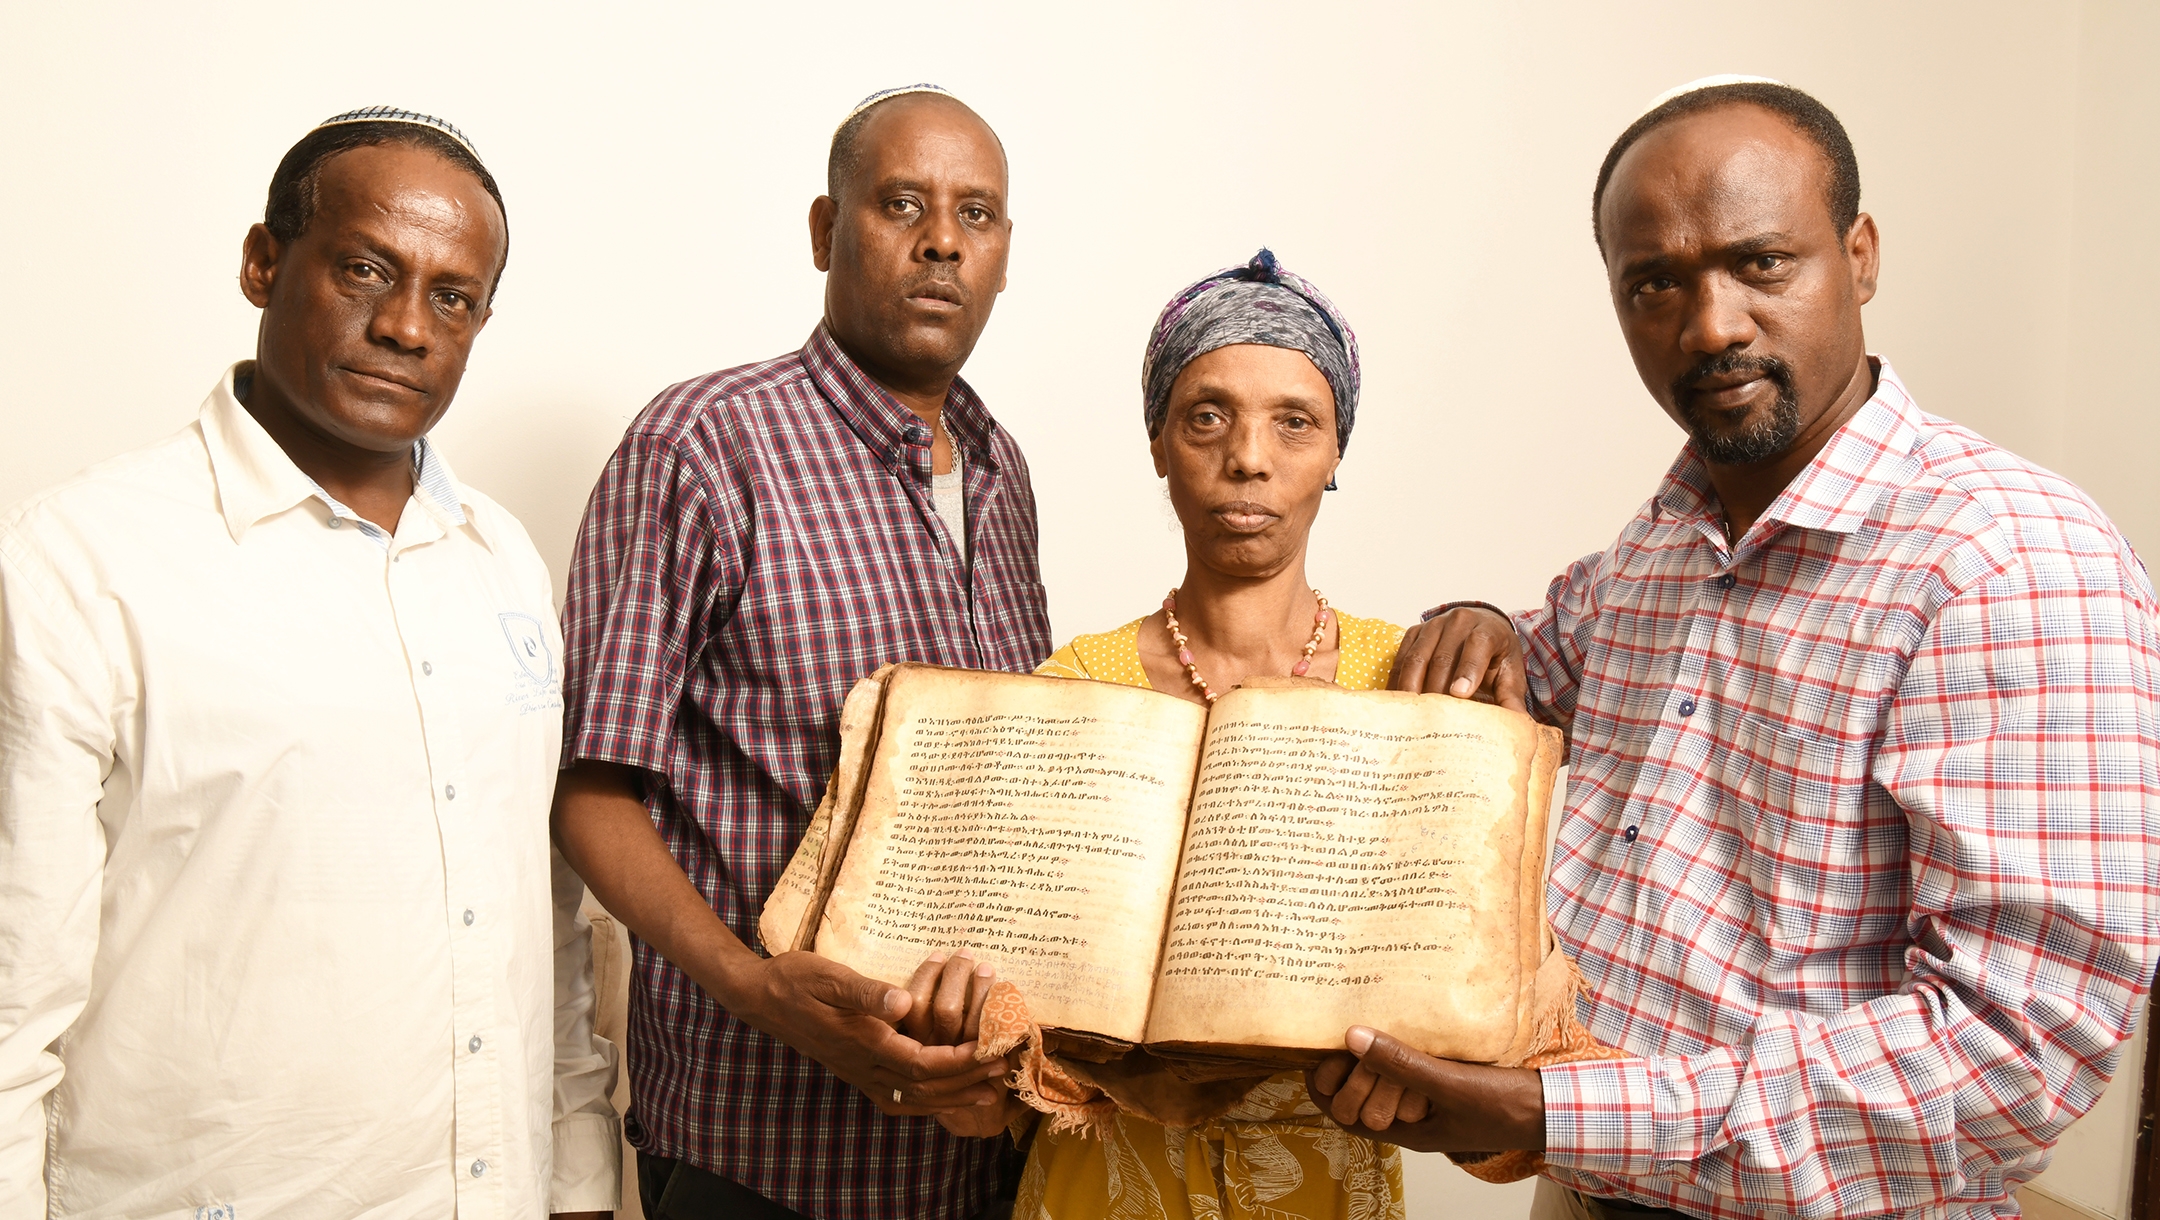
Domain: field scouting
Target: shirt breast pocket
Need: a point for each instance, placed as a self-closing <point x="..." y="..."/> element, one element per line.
<point x="1814" y="857"/>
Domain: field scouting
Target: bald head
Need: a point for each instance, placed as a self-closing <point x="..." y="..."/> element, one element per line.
<point x="913" y="240"/>
<point x="884" y="119"/>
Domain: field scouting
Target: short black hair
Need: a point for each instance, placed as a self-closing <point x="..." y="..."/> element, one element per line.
<point x="845" y="156"/>
<point x="1807" y="116"/>
<point x="291" y="207"/>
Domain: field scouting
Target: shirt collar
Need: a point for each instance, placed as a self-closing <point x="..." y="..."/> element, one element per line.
<point x="880" y="419"/>
<point x="255" y="479"/>
<point x="1835" y="492"/>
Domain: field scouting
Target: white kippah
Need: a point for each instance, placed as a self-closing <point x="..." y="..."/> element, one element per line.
<point x="391" y="114"/>
<point x="1707" y="82"/>
<point x="884" y="95"/>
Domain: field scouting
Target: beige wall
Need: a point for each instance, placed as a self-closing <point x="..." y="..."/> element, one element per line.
<point x="2110" y="424"/>
<point x="1429" y="165"/>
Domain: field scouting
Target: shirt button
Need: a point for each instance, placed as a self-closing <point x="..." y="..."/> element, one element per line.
<point x="478" y="1168"/>
<point x="1632" y="831"/>
<point x="1687" y="707"/>
<point x="335" y="522"/>
<point x="449" y="791"/>
<point x="474" y="1045"/>
<point x="468" y="917"/>
<point x="1727" y="581"/>
<point x="427" y="669"/>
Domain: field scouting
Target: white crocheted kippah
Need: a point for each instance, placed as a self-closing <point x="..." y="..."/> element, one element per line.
<point x="1707" y="82"/>
<point x="886" y="95"/>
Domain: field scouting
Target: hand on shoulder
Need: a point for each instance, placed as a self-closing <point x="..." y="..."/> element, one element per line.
<point x="1471" y="652"/>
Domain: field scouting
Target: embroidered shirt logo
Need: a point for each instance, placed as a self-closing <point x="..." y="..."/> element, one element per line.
<point x="528" y="643"/>
<point x="216" y="1211"/>
<point x="535" y="686"/>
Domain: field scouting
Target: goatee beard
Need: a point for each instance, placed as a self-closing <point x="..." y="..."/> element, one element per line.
<point x="1760" y="439"/>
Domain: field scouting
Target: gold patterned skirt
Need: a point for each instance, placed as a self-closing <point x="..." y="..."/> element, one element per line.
<point x="1272" y="1158"/>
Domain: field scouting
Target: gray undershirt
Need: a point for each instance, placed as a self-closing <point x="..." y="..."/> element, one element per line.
<point x="951" y="505"/>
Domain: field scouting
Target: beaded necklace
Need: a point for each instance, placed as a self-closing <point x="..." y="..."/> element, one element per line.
<point x="1184" y="646"/>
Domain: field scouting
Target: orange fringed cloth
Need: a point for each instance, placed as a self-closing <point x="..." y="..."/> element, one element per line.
<point x="1081" y="1096"/>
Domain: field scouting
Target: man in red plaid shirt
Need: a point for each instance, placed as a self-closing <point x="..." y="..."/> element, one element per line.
<point x="1859" y="855"/>
<point x="764" y="537"/>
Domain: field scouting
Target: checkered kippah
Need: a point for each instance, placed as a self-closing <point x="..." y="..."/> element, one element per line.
<point x="888" y="94"/>
<point x="391" y="114"/>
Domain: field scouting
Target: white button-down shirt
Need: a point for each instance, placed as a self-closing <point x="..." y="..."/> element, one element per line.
<point x="281" y="930"/>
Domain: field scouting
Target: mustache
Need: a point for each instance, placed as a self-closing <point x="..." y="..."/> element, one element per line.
<point x="1725" y="364"/>
<point x="947" y="282"/>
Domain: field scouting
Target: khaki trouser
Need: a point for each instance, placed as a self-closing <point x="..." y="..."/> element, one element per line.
<point x="1557" y="1202"/>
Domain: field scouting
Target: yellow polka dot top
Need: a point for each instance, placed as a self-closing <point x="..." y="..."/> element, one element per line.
<point x="1367" y="655"/>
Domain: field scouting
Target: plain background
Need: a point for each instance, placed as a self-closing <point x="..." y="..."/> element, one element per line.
<point x="1429" y="166"/>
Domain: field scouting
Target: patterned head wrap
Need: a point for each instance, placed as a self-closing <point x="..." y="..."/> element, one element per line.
<point x="391" y="114"/>
<point x="1262" y="303"/>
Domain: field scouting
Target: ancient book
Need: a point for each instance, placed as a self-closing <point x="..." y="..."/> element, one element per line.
<point x="1234" y="884"/>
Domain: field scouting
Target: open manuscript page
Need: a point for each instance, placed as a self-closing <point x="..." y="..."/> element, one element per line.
<point x="1368" y="858"/>
<point x="1033" y="821"/>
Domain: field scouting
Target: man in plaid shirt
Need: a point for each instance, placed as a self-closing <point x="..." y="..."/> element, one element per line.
<point x="764" y="537"/>
<point x="1858" y="858"/>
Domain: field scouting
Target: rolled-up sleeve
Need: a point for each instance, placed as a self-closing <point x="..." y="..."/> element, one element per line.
<point x="1553" y="639"/>
<point x="56" y="749"/>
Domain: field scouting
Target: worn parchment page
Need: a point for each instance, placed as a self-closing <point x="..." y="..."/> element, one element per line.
<point x="1033" y="821"/>
<point x="1537" y="939"/>
<point x="790" y="918"/>
<point x="1356" y="858"/>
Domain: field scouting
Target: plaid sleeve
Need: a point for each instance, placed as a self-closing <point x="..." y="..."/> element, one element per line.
<point x="657" y="564"/>
<point x="2021" y="748"/>
<point x="1554" y="636"/>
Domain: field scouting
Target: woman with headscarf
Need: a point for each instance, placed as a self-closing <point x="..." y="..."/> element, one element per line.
<point x="1251" y="386"/>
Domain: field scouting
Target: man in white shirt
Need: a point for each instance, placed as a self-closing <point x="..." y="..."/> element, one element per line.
<point x="281" y="932"/>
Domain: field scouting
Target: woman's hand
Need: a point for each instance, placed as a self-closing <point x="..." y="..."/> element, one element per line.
<point x="983" y="1122"/>
<point x="1470" y="652"/>
<point x="947" y="997"/>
